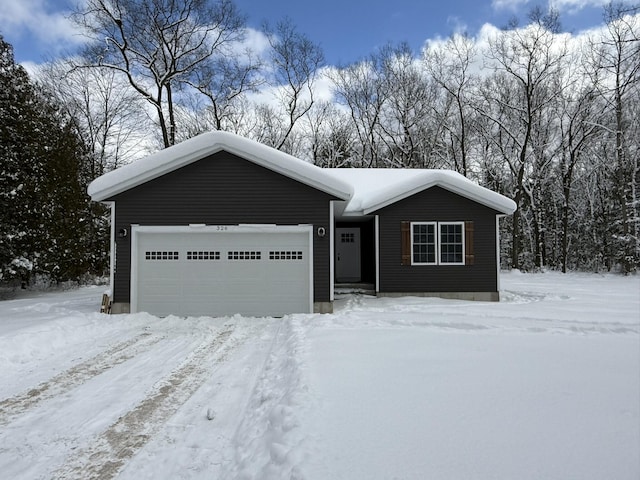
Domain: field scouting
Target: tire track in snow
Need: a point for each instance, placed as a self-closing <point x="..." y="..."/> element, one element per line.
<point x="15" y="406"/>
<point x="268" y="441"/>
<point x="123" y="439"/>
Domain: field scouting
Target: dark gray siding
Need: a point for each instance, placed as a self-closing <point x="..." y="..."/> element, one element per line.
<point x="222" y="189"/>
<point x="437" y="204"/>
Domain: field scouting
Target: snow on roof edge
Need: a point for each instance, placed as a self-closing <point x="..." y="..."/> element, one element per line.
<point x="327" y="180"/>
<point x="447" y="179"/>
<point x="196" y="148"/>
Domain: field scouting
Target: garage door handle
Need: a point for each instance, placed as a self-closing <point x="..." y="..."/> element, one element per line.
<point x="338" y="257"/>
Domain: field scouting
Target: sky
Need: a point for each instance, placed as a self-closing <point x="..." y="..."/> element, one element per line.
<point x="347" y="30"/>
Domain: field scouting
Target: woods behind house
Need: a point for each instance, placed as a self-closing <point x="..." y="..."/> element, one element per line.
<point x="547" y="118"/>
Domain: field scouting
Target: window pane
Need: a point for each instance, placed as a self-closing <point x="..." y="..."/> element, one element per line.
<point x="424" y="245"/>
<point x="451" y="243"/>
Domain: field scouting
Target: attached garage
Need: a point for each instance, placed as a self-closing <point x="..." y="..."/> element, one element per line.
<point x="222" y="270"/>
<point x="221" y="225"/>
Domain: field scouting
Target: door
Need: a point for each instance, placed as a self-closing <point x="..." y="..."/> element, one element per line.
<point x="348" y="268"/>
<point x="184" y="271"/>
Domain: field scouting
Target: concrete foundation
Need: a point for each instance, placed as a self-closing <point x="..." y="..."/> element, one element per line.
<point x="318" y="307"/>
<point x="120" y="307"/>
<point x="474" y="296"/>
<point x="327" y="307"/>
<point x="323" y="307"/>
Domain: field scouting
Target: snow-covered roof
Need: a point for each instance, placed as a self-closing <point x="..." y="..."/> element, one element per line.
<point x="364" y="189"/>
<point x="196" y="148"/>
<point x="375" y="188"/>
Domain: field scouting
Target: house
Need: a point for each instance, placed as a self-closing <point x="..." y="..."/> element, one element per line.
<point x="221" y="224"/>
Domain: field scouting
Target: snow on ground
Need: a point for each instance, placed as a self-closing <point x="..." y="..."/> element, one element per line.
<point x="545" y="384"/>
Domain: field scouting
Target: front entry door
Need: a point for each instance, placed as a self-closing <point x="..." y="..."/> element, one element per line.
<point x="348" y="255"/>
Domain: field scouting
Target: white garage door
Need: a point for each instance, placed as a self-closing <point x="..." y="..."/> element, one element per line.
<point x="215" y="271"/>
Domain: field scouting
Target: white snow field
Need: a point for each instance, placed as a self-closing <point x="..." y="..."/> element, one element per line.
<point x="543" y="385"/>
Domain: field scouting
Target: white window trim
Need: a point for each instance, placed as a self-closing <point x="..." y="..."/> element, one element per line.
<point x="435" y="231"/>
<point x="463" y="243"/>
<point x="438" y="241"/>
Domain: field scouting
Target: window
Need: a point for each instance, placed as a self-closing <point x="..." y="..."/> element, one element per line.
<point x="437" y="243"/>
<point x="285" y="255"/>
<point x="161" y="256"/>
<point x="203" y="255"/>
<point x="451" y="243"/>
<point x="244" y="255"/>
<point x="423" y="245"/>
<point x="347" y="238"/>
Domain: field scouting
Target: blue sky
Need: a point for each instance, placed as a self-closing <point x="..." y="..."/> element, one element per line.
<point x="347" y="30"/>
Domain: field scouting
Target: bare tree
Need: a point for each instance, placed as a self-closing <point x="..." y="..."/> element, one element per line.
<point x="109" y="117"/>
<point x="394" y="108"/>
<point x="360" y="88"/>
<point x="269" y="126"/>
<point x="158" y="45"/>
<point x="616" y="73"/>
<point x="331" y="136"/>
<point x="223" y="81"/>
<point x="295" y="61"/>
<point x="579" y="115"/>
<point x="408" y="99"/>
<point x="528" y="59"/>
<point x="315" y="125"/>
<point x="450" y="65"/>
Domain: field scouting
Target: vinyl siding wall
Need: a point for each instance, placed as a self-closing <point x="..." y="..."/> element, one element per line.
<point x="222" y="189"/>
<point x="437" y="205"/>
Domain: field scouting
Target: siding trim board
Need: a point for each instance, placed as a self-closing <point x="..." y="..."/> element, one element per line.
<point x="377" y="248"/>
<point x="332" y="265"/>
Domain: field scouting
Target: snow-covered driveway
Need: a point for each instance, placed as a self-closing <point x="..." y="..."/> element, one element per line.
<point x="83" y="393"/>
<point x="545" y="384"/>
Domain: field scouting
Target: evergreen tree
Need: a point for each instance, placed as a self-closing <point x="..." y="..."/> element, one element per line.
<point x="16" y="108"/>
<point x="45" y="213"/>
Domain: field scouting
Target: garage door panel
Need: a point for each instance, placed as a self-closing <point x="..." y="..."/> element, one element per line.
<point x="159" y="286"/>
<point x="222" y="273"/>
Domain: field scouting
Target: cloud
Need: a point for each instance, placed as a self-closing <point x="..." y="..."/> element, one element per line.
<point x="565" y="6"/>
<point x="44" y="21"/>
<point x="32" y="68"/>
<point x="256" y="40"/>
<point x="457" y="24"/>
<point x="512" y="5"/>
<point x="572" y="6"/>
